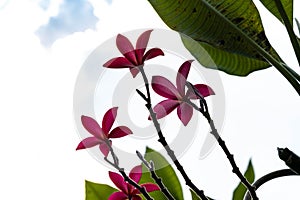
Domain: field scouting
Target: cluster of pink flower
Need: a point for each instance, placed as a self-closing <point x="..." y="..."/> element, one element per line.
<point x="176" y="97"/>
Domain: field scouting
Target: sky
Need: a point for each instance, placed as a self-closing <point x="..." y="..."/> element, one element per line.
<point x="44" y="44"/>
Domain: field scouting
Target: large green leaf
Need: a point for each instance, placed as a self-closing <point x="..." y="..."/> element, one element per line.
<point x="214" y="58"/>
<point x="241" y="190"/>
<point x="165" y="171"/>
<point x="96" y="191"/>
<point x="287" y="5"/>
<point x="227" y="29"/>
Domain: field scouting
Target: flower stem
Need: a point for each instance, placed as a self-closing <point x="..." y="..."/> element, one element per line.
<point x="154" y="176"/>
<point x="164" y="143"/>
<point x="269" y="177"/>
<point x="205" y="112"/>
<point x="115" y="164"/>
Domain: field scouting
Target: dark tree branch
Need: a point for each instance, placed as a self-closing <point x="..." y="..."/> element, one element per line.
<point x="158" y="180"/>
<point x="269" y="177"/>
<point x="115" y="164"/>
<point x="164" y="143"/>
<point x="205" y="112"/>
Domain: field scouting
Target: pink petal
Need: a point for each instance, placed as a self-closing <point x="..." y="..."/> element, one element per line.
<point x="164" y="107"/>
<point x="182" y="76"/>
<point x="119" y="131"/>
<point x="136" y="173"/>
<point x="185" y="113"/>
<point x="141" y="45"/>
<point x="203" y="89"/>
<point x="108" y="119"/>
<point x="152" y="53"/>
<point x="104" y="148"/>
<point x="131" y="189"/>
<point x="88" y="143"/>
<point x="134" y="71"/>
<point x="164" y="87"/>
<point x="92" y="126"/>
<point x="126" y="48"/>
<point x="150" y="187"/>
<point x="136" y="197"/>
<point x="119" y="62"/>
<point x="118" y="180"/>
<point x="118" y="196"/>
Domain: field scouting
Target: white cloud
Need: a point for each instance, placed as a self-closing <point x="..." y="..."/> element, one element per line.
<point x="73" y="16"/>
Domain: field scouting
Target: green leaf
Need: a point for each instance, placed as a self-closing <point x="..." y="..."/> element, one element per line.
<point x="241" y="190"/>
<point x="230" y="30"/>
<point x="215" y="58"/>
<point x="96" y="191"/>
<point x="298" y="25"/>
<point x="195" y="197"/>
<point x="165" y="171"/>
<point x="287" y="5"/>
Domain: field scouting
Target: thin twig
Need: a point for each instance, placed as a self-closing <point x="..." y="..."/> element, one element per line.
<point x="115" y="164"/>
<point x="205" y="112"/>
<point x="155" y="177"/>
<point x="269" y="177"/>
<point x="164" y="143"/>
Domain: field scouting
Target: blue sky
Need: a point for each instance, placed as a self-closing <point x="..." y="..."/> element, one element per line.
<point x="73" y="16"/>
<point x="44" y="45"/>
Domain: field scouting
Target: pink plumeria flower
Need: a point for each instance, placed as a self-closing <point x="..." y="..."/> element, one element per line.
<point x="177" y="97"/>
<point x="127" y="191"/>
<point x="133" y="58"/>
<point x="102" y="136"/>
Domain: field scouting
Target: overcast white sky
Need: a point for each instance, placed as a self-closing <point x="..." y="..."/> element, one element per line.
<point x="42" y="49"/>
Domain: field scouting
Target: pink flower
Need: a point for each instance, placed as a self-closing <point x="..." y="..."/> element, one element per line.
<point x="133" y="58"/>
<point x="177" y="97"/>
<point x="127" y="191"/>
<point x="101" y="136"/>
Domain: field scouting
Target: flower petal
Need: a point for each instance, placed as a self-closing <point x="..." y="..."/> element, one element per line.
<point x="118" y="62"/>
<point x="150" y="187"/>
<point x="164" y="87"/>
<point x="104" y="148"/>
<point x="164" y="107"/>
<point x="141" y="45"/>
<point x="126" y="48"/>
<point x="136" y="197"/>
<point x="92" y="126"/>
<point x="152" y="53"/>
<point x="203" y="89"/>
<point x="134" y="71"/>
<point x="182" y="76"/>
<point x="118" y="180"/>
<point x="185" y="113"/>
<point x="118" y="196"/>
<point x="108" y="119"/>
<point x="136" y="173"/>
<point x="88" y="143"/>
<point x="119" y="131"/>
